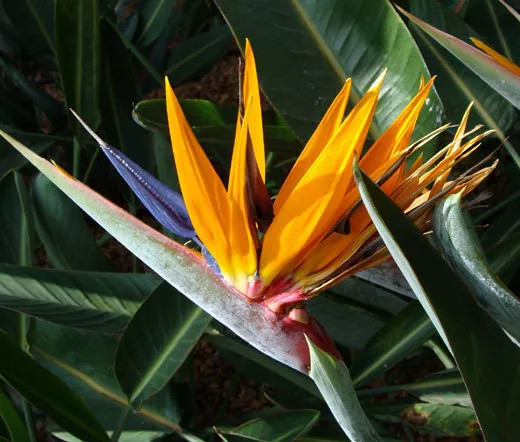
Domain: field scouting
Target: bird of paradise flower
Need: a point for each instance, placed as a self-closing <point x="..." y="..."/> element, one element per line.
<point x="316" y="232"/>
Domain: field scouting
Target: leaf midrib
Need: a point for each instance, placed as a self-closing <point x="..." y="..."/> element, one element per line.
<point x="165" y="353"/>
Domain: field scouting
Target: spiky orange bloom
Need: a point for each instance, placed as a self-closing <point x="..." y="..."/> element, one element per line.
<point x="317" y="232"/>
<point x="499" y="58"/>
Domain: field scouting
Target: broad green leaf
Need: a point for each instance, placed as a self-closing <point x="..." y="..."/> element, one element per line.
<point x="348" y="323"/>
<point x="119" y="90"/>
<point x="455" y="241"/>
<point x="99" y="302"/>
<point x="156" y="342"/>
<point x="388" y="277"/>
<point x="151" y="114"/>
<point x="195" y="56"/>
<point x="180" y="267"/>
<point x="370" y="295"/>
<point x="84" y="361"/>
<point x="126" y="436"/>
<point x="400" y="336"/>
<point x="474" y="338"/>
<point x="12" y="419"/>
<point x="155" y="15"/>
<point x="278" y="427"/>
<point x="440" y="420"/>
<point x="47" y="392"/>
<point x="214" y="126"/>
<point x="333" y="380"/>
<point x="139" y="57"/>
<point x="16" y="240"/>
<point x="163" y="155"/>
<point x="313" y="47"/>
<point x="441" y="388"/>
<point x="495" y="75"/>
<point x="77" y="49"/>
<point x="457" y="84"/>
<point x="68" y="241"/>
<point x="33" y="22"/>
<point x="254" y="365"/>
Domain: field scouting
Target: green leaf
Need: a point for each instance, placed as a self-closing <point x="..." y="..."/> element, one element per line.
<point x="47" y="392"/>
<point x="16" y="111"/>
<point x="457" y="245"/>
<point x="474" y="338"/>
<point x="33" y="22"/>
<point x="10" y="159"/>
<point x="68" y="240"/>
<point x="348" y="323"/>
<point x="313" y="47"/>
<point x="441" y="420"/>
<point x="441" y="388"/>
<point x="151" y="114"/>
<point x="372" y="296"/>
<point x="84" y="361"/>
<point x="10" y="415"/>
<point x="119" y="90"/>
<point x="155" y="16"/>
<point x="278" y="427"/>
<point x="126" y="436"/>
<point x="181" y="268"/>
<point x="77" y="47"/>
<point x="33" y="92"/>
<point x="16" y="240"/>
<point x="256" y="366"/>
<point x="403" y="334"/>
<point x="214" y="126"/>
<point x="156" y="342"/>
<point x="504" y="82"/>
<point x="195" y="56"/>
<point x="139" y="57"/>
<point x="99" y="302"/>
<point x="456" y="83"/>
<point x="504" y="258"/>
<point x="333" y="380"/>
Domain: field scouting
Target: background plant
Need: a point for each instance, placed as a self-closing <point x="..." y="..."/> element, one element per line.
<point x="106" y="60"/>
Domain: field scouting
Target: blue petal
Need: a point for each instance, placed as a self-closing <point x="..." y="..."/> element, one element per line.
<point x="212" y="263"/>
<point x="166" y="205"/>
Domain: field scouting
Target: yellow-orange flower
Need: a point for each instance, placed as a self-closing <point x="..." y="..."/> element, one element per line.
<point x="317" y="232"/>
